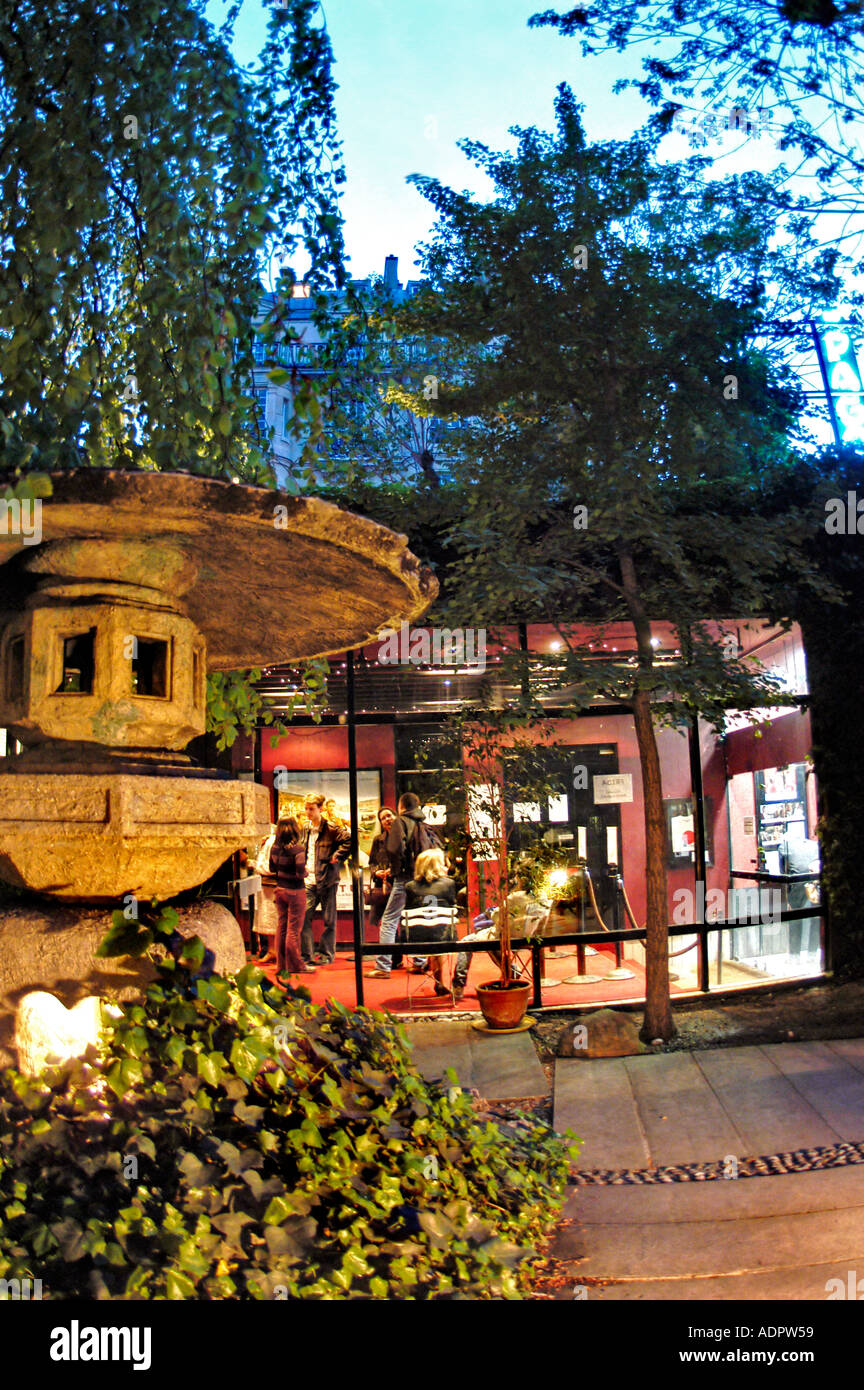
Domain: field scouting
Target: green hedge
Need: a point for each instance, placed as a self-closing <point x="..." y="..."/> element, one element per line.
<point x="231" y="1141"/>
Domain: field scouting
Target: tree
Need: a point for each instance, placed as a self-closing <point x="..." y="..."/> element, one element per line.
<point x="146" y="177"/>
<point x="379" y="389"/>
<point x="147" y="182"/>
<point x="601" y="306"/>
<point x="798" y="61"/>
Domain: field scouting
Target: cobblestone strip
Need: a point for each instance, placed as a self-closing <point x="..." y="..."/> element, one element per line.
<point x="798" y="1161"/>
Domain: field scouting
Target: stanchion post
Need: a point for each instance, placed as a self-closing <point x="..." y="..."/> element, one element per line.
<point x="356" y="871"/>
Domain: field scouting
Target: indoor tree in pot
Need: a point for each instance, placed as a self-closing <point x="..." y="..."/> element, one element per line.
<point x="493" y="741"/>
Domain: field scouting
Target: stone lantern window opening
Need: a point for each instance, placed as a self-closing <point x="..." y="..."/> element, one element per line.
<point x="76" y="663"/>
<point x="15" y="669"/>
<point x="151" y="668"/>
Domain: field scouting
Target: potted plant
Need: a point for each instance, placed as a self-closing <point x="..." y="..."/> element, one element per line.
<point x="489" y="743"/>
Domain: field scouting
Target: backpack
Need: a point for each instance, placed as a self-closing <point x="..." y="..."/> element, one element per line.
<point x="419" y="839"/>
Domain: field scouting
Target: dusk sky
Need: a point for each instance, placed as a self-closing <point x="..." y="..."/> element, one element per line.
<point x="415" y="76"/>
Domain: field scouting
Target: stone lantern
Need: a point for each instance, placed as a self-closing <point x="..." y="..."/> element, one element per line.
<point x="141" y="582"/>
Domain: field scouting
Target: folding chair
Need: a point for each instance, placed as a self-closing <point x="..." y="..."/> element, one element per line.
<point x="531" y="925"/>
<point x="416" y="922"/>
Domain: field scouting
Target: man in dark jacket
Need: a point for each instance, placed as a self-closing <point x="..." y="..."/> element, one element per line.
<point x="405" y="841"/>
<point x="326" y="847"/>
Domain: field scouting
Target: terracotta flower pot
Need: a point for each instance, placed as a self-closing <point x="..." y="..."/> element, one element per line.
<point x="504" y="1007"/>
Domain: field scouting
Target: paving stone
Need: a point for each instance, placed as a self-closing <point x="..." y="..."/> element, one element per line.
<point x="500" y="1068"/>
<point x="807" y="1283"/>
<point x="596" y="1101"/>
<point x="682" y="1118"/>
<point x="767" y="1111"/>
<point x="721" y="1200"/>
<point x="782" y="1236"/>
<point x="830" y="1083"/>
<point x="688" y="1249"/>
<point x="850" y="1049"/>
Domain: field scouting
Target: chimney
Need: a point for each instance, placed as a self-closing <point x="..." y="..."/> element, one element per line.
<point x="391" y="266"/>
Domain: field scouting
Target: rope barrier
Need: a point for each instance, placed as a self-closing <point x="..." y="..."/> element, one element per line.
<point x="629" y="910"/>
<point x="587" y="878"/>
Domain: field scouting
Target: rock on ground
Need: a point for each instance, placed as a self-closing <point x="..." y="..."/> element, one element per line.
<point x="605" y="1033"/>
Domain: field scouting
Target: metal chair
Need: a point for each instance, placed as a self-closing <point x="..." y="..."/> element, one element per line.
<point x="416" y="922"/>
<point x="530" y="925"/>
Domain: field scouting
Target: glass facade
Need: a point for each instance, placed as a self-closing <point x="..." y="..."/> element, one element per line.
<point x="738" y="820"/>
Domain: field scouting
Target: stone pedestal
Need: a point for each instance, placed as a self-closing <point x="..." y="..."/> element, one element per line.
<point x="52" y="947"/>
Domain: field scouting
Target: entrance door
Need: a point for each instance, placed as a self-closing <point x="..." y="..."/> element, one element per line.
<point x="570" y="819"/>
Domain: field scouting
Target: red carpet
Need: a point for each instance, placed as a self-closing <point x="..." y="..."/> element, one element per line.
<point x="336" y="981"/>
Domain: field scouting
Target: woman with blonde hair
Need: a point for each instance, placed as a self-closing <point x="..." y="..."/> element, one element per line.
<point x="431" y="894"/>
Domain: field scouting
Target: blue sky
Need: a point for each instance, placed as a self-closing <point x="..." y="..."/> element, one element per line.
<point x="417" y="75"/>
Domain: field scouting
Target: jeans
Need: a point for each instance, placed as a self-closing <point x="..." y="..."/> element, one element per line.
<point x="290" y="907"/>
<point x="390" y="921"/>
<point x="326" y="897"/>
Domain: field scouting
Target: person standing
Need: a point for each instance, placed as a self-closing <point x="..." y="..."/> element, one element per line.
<point x="326" y="848"/>
<point x="288" y="866"/>
<point x="379" y="867"/>
<point x="408" y="836"/>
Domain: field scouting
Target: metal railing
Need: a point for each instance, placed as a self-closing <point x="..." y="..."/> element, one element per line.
<point x="616" y="937"/>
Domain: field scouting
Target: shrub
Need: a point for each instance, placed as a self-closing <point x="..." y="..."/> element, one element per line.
<point x="230" y="1141"/>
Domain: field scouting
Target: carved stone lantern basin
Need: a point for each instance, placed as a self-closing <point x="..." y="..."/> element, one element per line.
<point x="138" y="583"/>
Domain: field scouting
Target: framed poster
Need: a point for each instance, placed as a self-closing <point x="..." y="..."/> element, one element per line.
<point x="483" y="801"/>
<point x="292" y="789"/>
<point x="681" y="833"/>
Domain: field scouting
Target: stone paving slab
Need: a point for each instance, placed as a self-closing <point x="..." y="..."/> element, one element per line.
<point x="805" y="1284"/>
<point x="681" y="1107"/>
<point x="683" y="1120"/>
<point x="782" y="1236"/>
<point x="721" y="1200"/>
<point x="687" y="1249"/>
<point x="826" y="1080"/>
<point x="500" y="1068"/>
<point x="596" y="1101"/>
<point x="768" y="1112"/>
<point x="851" y="1049"/>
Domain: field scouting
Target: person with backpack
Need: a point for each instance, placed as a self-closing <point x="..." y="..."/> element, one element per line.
<point x="407" y="837"/>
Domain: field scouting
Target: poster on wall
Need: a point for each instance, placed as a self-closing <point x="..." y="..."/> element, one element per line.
<point x="482" y="800"/>
<point x="681" y="831"/>
<point x="294" y="787"/>
<point x="781" y="783"/>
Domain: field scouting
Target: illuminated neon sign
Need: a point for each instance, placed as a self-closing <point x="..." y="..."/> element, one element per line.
<point x="843" y="382"/>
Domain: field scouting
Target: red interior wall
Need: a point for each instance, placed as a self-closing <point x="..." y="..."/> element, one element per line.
<point x="303" y="750"/>
<point x="785" y="740"/>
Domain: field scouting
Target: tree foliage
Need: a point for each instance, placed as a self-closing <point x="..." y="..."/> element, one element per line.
<point x="146" y="177"/>
<point x="799" y="60"/>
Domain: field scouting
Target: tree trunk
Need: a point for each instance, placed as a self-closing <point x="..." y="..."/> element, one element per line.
<point x="658" y="1014"/>
<point x="657" y="1022"/>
